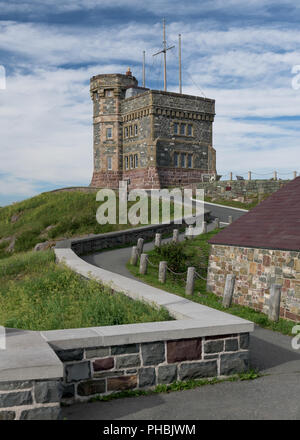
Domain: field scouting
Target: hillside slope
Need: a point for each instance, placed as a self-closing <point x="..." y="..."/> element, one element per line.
<point x="49" y="217"/>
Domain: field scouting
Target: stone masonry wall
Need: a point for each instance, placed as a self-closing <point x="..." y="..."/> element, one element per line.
<point x="256" y="270"/>
<point x="30" y="400"/>
<point x="229" y="189"/>
<point x="104" y="370"/>
<point x="130" y="236"/>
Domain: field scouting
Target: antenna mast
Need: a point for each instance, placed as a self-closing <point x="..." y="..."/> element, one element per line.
<point x="164" y="51"/>
<point x="179" y="56"/>
<point x="144" y="81"/>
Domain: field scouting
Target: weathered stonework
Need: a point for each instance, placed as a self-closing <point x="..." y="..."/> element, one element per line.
<point x="255" y="271"/>
<point x="141" y="126"/>
<point x="243" y="189"/>
<point x="158" y="362"/>
<point x="30" y="400"/>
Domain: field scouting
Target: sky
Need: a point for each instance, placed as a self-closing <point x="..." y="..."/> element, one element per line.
<point x="245" y="54"/>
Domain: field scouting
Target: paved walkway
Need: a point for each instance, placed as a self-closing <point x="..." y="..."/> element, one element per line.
<point x="273" y="396"/>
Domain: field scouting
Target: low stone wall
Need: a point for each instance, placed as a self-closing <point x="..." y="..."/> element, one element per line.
<point x="30" y="400"/>
<point x="104" y="370"/>
<point x="94" y="243"/>
<point x="256" y="270"/>
<point x="230" y="189"/>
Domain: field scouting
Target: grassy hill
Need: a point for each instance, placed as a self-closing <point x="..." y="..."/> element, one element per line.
<point x="50" y="217"/>
<point x="35" y="292"/>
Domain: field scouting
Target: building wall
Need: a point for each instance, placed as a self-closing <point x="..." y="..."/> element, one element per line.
<point x="256" y="270"/>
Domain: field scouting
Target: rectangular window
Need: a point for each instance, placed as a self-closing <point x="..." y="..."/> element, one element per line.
<point x="182" y="129"/>
<point x="190" y="161"/>
<point x="176" y="159"/>
<point x="175" y="127"/>
<point x="131" y="161"/>
<point x="130" y="131"/>
<point x="135" y="130"/>
<point x="126" y="132"/>
<point x="190" y="130"/>
<point x="182" y="160"/>
<point x="108" y="93"/>
<point x="109" y="163"/>
<point x="108" y="133"/>
<point x="126" y="162"/>
<point x="136" y="161"/>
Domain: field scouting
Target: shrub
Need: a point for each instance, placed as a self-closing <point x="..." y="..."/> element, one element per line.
<point x="175" y="256"/>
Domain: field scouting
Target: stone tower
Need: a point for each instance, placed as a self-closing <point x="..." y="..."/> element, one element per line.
<point x="151" y="138"/>
<point x="107" y="92"/>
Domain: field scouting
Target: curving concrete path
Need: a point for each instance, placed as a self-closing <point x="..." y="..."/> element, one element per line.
<point x="273" y="396"/>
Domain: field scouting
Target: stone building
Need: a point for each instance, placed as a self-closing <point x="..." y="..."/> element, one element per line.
<point x="262" y="248"/>
<point x="150" y="138"/>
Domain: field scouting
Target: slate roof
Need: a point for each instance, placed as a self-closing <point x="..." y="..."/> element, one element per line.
<point x="273" y="224"/>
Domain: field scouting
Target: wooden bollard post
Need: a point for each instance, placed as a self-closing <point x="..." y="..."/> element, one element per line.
<point x="140" y="246"/>
<point x="228" y="290"/>
<point x="134" y="256"/>
<point x="157" y="240"/>
<point x="217" y="222"/>
<point x="230" y="219"/>
<point x="143" y="264"/>
<point x="249" y="175"/>
<point x="175" y="235"/>
<point x="190" y="281"/>
<point x="230" y="175"/>
<point x="190" y="232"/>
<point x="204" y="227"/>
<point x="274" y="302"/>
<point x="162" y="271"/>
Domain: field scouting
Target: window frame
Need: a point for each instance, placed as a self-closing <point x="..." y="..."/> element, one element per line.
<point x="107" y="131"/>
<point x="182" y="124"/>
<point x="126" y="162"/>
<point x="176" y="159"/>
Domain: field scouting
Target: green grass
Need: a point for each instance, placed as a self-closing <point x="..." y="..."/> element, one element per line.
<point x="37" y="294"/>
<point x="177" y="386"/>
<point x="197" y="254"/>
<point x="69" y="214"/>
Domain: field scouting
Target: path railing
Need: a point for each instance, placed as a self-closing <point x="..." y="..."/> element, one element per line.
<point x="190" y="275"/>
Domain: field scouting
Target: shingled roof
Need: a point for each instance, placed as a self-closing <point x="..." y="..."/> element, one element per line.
<point x="273" y="224"/>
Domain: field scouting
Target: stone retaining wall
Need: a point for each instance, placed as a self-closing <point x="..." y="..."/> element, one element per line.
<point x="30" y="400"/>
<point x="255" y="270"/>
<point x="100" y="242"/>
<point x="230" y="189"/>
<point x="105" y="370"/>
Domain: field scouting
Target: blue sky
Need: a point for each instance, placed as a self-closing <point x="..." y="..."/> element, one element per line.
<point x="239" y="52"/>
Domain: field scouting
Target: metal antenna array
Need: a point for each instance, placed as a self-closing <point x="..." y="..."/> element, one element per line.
<point x="164" y="51"/>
